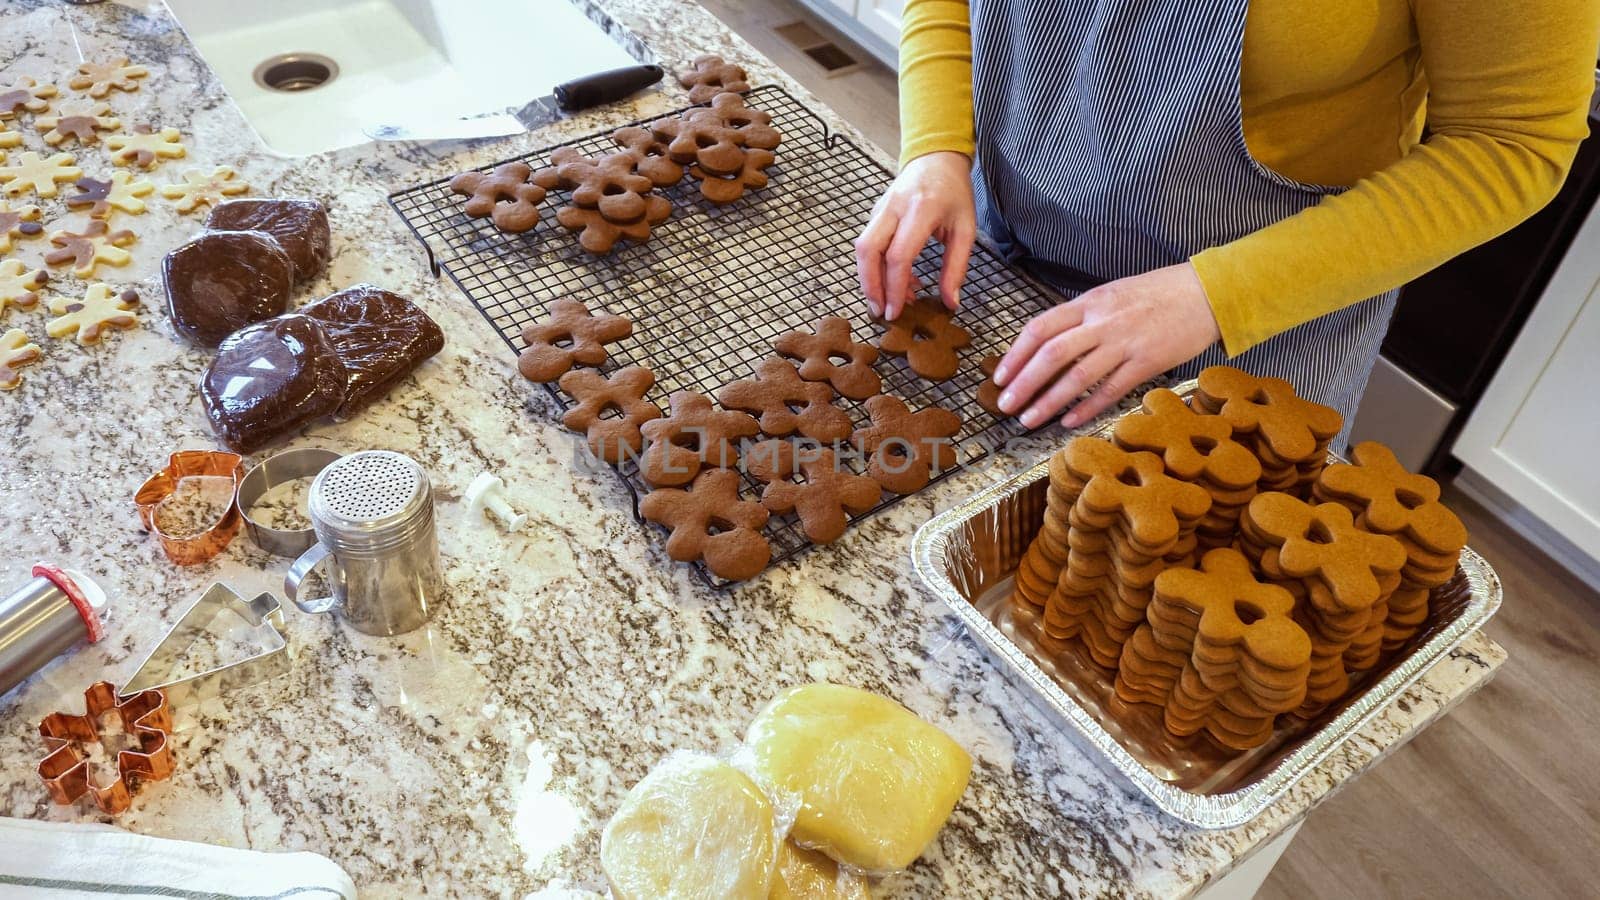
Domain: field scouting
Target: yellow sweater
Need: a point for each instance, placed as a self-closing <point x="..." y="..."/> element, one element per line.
<point x="1450" y="120"/>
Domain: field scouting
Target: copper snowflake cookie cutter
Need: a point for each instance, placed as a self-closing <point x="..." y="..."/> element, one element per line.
<point x="65" y="770"/>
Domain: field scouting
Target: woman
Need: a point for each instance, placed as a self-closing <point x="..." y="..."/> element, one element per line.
<point x="1251" y="181"/>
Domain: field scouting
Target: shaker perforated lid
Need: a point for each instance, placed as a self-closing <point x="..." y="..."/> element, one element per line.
<point x="369" y="491"/>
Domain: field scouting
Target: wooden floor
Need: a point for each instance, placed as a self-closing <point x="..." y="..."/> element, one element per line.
<point x="1502" y="797"/>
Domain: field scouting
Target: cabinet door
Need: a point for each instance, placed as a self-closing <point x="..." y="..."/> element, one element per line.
<point x="1535" y="433"/>
<point x="882" y="18"/>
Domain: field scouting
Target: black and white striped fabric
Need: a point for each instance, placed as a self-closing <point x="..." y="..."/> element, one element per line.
<point x="1110" y="141"/>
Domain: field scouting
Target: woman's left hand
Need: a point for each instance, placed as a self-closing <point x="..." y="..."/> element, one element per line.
<point x="1117" y="335"/>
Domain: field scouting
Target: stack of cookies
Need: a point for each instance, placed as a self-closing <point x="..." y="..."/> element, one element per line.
<point x="1220" y="651"/>
<point x="1200" y="449"/>
<point x="1288" y="434"/>
<point x="1387" y="499"/>
<point x="727" y="147"/>
<point x="1341" y="578"/>
<point x="1127" y="522"/>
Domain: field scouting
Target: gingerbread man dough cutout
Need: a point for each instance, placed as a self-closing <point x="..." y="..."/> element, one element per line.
<point x="18" y="222"/>
<point x="77" y="118"/>
<point x="907" y="448"/>
<point x="204" y="189"/>
<point x="144" y="147"/>
<point x="87" y="249"/>
<point x="39" y="174"/>
<point x="19" y="285"/>
<point x="828" y="353"/>
<point x="611" y="439"/>
<point x="25" y="94"/>
<point x="100" y="79"/>
<point x="89" y="318"/>
<point x="16" y="351"/>
<point x="927" y="337"/>
<point x="822" y="501"/>
<point x="585" y="334"/>
<point x="738" y="550"/>
<point x="120" y="192"/>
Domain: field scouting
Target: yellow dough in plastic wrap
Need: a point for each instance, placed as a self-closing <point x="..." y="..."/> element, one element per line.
<point x="876" y="782"/>
<point x="695" y="827"/>
<point x="810" y="875"/>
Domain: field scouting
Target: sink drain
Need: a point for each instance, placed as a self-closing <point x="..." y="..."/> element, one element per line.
<point x="296" y="72"/>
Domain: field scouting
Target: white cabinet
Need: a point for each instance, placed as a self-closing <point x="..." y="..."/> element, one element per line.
<point x="1535" y="435"/>
<point x="882" y="17"/>
<point x="874" y="24"/>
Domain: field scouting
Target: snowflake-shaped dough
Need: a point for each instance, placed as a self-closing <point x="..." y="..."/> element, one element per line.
<point x="24" y="94"/>
<point x="98" y="79"/>
<point x="199" y="188"/>
<point x="90" y="317"/>
<point x="145" y="147"/>
<point x="77" y="118"/>
<point x="120" y="192"/>
<point x="19" y="286"/>
<point x="9" y="138"/>
<point x="37" y="173"/>
<point x="16" y="351"/>
<point x="18" y="222"/>
<point x="87" y="249"/>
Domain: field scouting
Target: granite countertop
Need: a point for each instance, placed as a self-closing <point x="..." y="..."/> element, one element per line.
<point x="482" y="754"/>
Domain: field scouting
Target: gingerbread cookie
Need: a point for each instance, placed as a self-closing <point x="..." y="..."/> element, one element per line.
<point x="88" y="319"/>
<point x="695" y="435"/>
<point x="703" y="140"/>
<point x="144" y="147"/>
<point x="828" y="353"/>
<point x="24" y="94"/>
<point x="32" y="172"/>
<point x="725" y="189"/>
<point x="19" y="286"/>
<point x="505" y="196"/>
<point x="610" y="439"/>
<point x="121" y="192"/>
<point x="585" y="335"/>
<point x="823" y="499"/>
<point x="77" y="118"/>
<point x="18" y="222"/>
<point x="100" y="79"/>
<point x="608" y="183"/>
<point x="600" y="235"/>
<point x="650" y="155"/>
<point x="1392" y="500"/>
<point x="16" y="351"/>
<point x="754" y="124"/>
<point x="988" y="395"/>
<point x="907" y="448"/>
<point x="737" y="550"/>
<point x="204" y="188"/>
<point x="710" y="76"/>
<point x="1195" y="447"/>
<point x="925" y="335"/>
<point x="87" y="249"/>
<point x="773" y="394"/>
<point x="1289" y="434"/>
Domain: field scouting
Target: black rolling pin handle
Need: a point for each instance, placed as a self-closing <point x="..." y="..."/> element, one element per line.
<point x="605" y="87"/>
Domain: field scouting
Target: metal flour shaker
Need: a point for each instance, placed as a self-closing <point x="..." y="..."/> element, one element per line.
<point x="373" y="515"/>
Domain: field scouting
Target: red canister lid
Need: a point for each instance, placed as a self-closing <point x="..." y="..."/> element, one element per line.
<point x="86" y="611"/>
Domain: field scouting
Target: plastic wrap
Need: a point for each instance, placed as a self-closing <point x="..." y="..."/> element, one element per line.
<point x="804" y="874"/>
<point x="301" y="226"/>
<point x="224" y="280"/>
<point x="271" y="379"/>
<point x="380" y="337"/>
<point x="876" y="782"/>
<point x="695" y="827"/>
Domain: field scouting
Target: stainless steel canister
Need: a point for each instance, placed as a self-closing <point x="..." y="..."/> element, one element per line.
<point x="373" y="516"/>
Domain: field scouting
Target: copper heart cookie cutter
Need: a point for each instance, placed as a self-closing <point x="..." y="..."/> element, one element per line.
<point x="145" y="716"/>
<point x="196" y="548"/>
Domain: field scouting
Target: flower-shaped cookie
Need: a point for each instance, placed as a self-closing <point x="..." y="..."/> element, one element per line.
<point x="925" y="335"/>
<point x="78" y="118"/>
<point x="710" y="76"/>
<point x="144" y="147"/>
<point x="100" y="79"/>
<point x="32" y="172"/>
<point x="120" y="192"/>
<point x="88" y="319"/>
<point x="204" y="189"/>
<point x="144" y="715"/>
<point x="24" y="94"/>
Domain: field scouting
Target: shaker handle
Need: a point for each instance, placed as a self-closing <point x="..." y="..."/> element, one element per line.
<point x="303" y="566"/>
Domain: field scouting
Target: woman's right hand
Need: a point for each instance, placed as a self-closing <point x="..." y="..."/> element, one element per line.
<point x="931" y="197"/>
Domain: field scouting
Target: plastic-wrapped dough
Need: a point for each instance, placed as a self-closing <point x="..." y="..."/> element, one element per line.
<point x="695" y="827"/>
<point x="876" y="782"/>
<point x="811" y="875"/>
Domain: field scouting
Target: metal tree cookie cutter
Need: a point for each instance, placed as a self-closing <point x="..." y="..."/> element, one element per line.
<point x="145" y="715"/>
<point x="290" y="465"/>
<point x="155" y="673"/>
<point x="197" y="548"/>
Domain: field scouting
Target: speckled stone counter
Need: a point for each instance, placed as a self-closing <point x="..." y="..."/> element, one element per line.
<point x="482" y="755"/>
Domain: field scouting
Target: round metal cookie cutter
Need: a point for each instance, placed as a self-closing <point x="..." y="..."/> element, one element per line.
<point x="290" y="465"/>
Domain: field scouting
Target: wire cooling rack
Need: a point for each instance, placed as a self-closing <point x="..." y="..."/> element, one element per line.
<point x="714" y="286"/>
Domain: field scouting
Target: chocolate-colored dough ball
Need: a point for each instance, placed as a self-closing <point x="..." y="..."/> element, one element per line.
<point x="224" y="280"/>
<point x="271" y="379"/>
<point x="301" y="226"/>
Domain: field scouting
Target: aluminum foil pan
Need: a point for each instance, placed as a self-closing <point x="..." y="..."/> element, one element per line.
<point x="967" y="556"/>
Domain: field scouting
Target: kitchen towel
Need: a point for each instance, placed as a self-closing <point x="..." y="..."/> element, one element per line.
<point x="60" y="860"/>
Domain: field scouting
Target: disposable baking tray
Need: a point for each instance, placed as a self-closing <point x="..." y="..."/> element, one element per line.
<point x="968" y="554"/>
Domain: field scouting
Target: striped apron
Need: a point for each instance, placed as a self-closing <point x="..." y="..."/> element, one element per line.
<point x="1110" y="143"/>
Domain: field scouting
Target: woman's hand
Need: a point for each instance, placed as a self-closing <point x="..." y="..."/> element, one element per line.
<point x="1118" y="335"/>
<point x="931" y="197"/>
